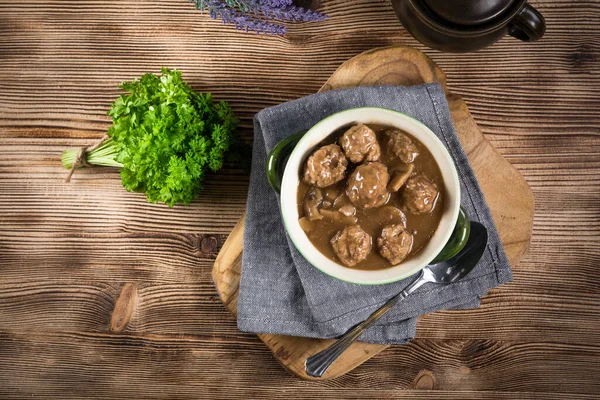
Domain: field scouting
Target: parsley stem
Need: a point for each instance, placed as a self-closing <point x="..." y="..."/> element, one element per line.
<point x="103" y="155"/>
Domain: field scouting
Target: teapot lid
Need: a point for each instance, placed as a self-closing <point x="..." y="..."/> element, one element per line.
<point x="467" y="12"/>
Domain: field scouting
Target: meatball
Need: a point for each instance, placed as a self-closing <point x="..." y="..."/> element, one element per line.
<point x="419" y="194"/>
<point x="326" y="166"/>
<point x="394" y="243"/>
<point x="402" y="145"/>
<point x="360" y="144"/>
<point x="367" y="185"/>
<point x="352" y="245"/>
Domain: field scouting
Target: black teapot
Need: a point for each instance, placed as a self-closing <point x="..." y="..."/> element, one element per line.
<point x="461" y="26"/>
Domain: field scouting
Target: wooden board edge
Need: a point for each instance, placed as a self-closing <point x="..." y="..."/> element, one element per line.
<point x="230" y="253"/>
<point x="437" y="74"/>
<point x="276" y="342"/>
<point x="460" y="111"/>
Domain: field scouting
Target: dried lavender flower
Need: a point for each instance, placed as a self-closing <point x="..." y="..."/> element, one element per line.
<point x="257" y="15"/>
<point x="248" y="23"/>
<point x="292" y="13"/>
<point x="276" y="3"/>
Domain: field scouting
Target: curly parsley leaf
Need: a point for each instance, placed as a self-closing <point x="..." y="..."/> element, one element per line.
<point x="167" y="136"/>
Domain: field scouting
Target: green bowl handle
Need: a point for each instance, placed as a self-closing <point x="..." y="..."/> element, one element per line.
<point x="458" y="240"/>
<point x="277" y="159"/>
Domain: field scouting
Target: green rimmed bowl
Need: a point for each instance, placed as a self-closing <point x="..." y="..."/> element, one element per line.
<point x="452" y="232"/>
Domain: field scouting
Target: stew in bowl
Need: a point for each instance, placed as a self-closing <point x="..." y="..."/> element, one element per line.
<point x="369" y="195"/>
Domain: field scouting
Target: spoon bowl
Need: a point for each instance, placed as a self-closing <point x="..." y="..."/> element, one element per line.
<point x="445" y="272"/>
<point x="463" y="263"/>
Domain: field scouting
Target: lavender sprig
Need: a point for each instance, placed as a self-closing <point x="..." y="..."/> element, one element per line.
<point x="281" y="12"/>
<point x="257" y="15"/>
<point x="246" y="22"/>
<point x="276" y="3"/>
<point x="294" y="14"/>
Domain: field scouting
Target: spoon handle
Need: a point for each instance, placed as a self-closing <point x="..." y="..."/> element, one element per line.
<point x="317" y="364"/>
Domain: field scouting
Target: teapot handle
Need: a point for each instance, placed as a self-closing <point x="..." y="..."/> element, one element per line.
<point x="529" y="25"/>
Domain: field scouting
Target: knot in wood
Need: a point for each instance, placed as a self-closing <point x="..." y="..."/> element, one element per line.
<point x="208" y="244"/>
<point x="124" y="307"/>
<point x="424" y="380"/>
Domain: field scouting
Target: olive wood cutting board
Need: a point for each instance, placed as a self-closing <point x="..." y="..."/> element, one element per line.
<point x="507" y="194"/>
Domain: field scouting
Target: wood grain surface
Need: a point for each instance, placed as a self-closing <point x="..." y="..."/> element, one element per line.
<point x="506" y="192"/>
<point x="70" y="255"/>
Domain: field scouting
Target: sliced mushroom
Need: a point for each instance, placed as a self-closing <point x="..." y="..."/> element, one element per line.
<point x="341" y="201"/>
<point x="336" y="216"/>
<point x="312" y="201"/>
<point x="348" y="210"/>
<point x="332" y="192"/>
<point x="390" y="215"/>
<point x="305" y="224"/>
<point x="399" y="176"/>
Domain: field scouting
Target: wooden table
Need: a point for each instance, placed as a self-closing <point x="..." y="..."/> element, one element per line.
<point x="104" y="295"/>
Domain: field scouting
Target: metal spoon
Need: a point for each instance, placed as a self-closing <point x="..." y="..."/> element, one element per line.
<point x="444" y="272"/>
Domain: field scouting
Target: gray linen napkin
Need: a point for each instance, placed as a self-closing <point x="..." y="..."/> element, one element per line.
<point x="281" y="293"/>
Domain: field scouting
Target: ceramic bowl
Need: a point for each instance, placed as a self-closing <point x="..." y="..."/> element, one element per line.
<point x="448" y="239"/>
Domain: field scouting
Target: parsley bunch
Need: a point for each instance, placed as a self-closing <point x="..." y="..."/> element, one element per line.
<point x="164" y="137"/>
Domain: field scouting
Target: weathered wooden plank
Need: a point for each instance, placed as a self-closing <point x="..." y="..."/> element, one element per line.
<point x="518" y="312"/>
<point x="86" y="52"/>
<point x="560" y="170"/>
<point x="72" y="364"/>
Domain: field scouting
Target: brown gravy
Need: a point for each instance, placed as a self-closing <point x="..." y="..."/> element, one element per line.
<point x="421" y="226"/>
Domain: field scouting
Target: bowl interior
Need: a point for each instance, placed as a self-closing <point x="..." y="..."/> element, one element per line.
<point x="369" y="115"/>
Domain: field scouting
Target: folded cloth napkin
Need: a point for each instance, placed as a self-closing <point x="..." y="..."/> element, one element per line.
<point x="281" y="293"/>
